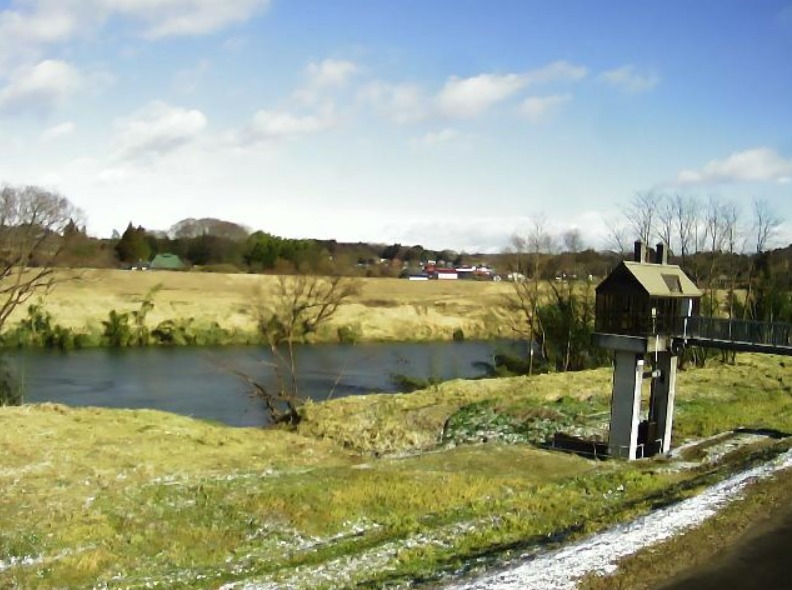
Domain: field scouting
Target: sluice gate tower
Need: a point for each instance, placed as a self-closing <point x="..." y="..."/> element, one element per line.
<point x="640" y="308"/>
<point x="648" y="309"/>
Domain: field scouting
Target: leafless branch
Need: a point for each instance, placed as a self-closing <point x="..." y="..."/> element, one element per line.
<point x="32" y="223"/>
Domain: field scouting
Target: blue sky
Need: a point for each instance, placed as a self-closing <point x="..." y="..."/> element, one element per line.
<point x="446" y="123"/>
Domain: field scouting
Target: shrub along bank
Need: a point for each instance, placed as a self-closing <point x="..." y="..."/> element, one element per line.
<point x="371" y="491"/>
<point x="38" y="329"/>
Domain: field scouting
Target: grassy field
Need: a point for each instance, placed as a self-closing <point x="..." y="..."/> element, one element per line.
<point x="370" y="491"/>
<point x="385" y="309"/>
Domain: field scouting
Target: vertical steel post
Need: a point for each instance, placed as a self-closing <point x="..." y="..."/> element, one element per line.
<point x="625" y="404"/>
<point x="661" y="410"/>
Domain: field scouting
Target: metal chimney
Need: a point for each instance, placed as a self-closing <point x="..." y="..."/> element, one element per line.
<point x="640" y="251"/>
<point x="661" y="254"/>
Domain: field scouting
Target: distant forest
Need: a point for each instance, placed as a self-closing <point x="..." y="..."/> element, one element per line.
<point x="730" y="258"/>
<point x="215" y="245"/>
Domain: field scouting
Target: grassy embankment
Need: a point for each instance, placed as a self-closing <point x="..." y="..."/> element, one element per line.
<point x="368" y="491"/>
<point x="219" y="308"/>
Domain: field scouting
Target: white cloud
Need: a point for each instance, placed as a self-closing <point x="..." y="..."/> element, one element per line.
<point x="537" y="109"/>
<point x="58" y="131"/>
<point x="330" y="72"/>
<point x="557" y="71"/>
<point x="401" y="103"/>
<point x="42" y="22"/>
<point x="49" y="24"/>
<point x="439" y="137"/>
<point x="629" y="79"/>
<point x="462" y="98"/>
<point x="758" y="164"/>
<point x="167" y="18"/>
<point x="323" y="76"/>
<point x="279" y="125"/>
<point x="442" y="138"/>
<point x="468" y="97"/>
<point x="40" y="88"/>
<point x="157" y="129"/>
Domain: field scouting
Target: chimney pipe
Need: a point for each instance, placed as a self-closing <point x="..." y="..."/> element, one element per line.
<point x="661" y="256"/>
<point x="640" y="251"/>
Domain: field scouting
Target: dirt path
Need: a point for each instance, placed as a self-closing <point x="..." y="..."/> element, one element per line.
<point x="599" y="554"/>
<point x="759" y="560"/>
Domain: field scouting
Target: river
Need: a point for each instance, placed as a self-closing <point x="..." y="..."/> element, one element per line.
<point x="201" y="382"/>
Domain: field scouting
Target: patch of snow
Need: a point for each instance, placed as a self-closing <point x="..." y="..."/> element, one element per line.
<point x="24" y="470"/>
<point x="599" y="554"/>
<point x="712" y="449"/>
<point x="346" y="570"/>
<point x="26" y="560"/>
<point x="29" y="560"/>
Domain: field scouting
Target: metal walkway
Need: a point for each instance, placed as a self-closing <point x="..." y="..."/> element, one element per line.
<point x="739" y="335"/>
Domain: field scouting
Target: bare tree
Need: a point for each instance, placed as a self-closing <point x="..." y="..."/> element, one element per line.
<point x="731" y="238"/>
<point x="299" y="306"/>
<point x="573" y="242"/>
<point x="32" y="224"/>
<point x="685" y="212"/>
<point x="766" y="224"/>
<point x="715" y="221"/>
<point x="619" y="239"/>
<point x="530" y="254"/>
<point x="641" y="214"/>
<point x="638" y="221"/>
<point x="732" y="235"/>
<point x="665" y="223"/>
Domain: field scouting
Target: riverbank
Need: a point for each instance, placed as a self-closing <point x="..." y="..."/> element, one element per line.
<point x="221" y="308"/>
<point x="369" y="491"/>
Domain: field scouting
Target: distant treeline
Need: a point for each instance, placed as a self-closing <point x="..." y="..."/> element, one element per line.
<point x="221" y="246"/>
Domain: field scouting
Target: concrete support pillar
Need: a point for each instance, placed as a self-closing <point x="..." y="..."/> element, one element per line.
<point x="625" y="404"/>
<point x="661" y="407"/>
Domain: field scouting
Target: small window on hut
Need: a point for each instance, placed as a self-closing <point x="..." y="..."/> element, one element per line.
<point x="673" y="284"/>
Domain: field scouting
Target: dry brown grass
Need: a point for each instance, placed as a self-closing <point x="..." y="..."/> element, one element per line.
<point x="388" y="423"/>
<point x="385" y="309"/>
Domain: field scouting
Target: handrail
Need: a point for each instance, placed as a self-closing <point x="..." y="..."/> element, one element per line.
<point x="701" y="328"/>
<point x="736" y="330"/>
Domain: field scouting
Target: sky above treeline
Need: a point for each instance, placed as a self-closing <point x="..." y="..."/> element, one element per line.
<point x="445" y="123"/>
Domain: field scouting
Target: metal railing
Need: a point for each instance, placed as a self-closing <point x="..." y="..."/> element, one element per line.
<point x="749" y="332"/>
<point x="702" y="329"/>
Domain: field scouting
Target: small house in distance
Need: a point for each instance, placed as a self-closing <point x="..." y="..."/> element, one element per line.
<point x="166" y="261"/>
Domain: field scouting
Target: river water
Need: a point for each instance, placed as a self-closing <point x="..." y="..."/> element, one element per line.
<point x="202" y="382"/>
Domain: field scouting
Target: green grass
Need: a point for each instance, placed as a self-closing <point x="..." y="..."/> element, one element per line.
<point x="365" y="493"/>
<point x="755" y="393"/>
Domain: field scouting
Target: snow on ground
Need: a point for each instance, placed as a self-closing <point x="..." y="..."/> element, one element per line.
<point x="599" y="554"/>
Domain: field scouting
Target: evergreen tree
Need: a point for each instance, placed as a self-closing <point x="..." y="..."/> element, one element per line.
<point x="133" y="245"/>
